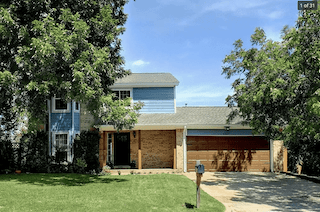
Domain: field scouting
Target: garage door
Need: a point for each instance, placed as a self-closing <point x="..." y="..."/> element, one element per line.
<point x="228" y="153"/>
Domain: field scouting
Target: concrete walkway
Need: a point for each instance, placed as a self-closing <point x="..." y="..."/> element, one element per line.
<point x="249" y="191"/>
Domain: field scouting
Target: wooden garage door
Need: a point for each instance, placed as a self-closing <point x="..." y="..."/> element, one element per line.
<point x="228" y="153"/>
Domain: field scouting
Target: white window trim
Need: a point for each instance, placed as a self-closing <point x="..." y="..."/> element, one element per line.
<point x="69" y="159"/>
<point x="126" y="89"/>
<point x="54" y="110"/>
<point x="109" y="148"/>
<point x="74" y="106"/>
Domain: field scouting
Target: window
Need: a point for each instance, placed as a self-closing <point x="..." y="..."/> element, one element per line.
<point x="61" y="147"/>
<point x="109" y="147"/>
<point x="76" y="106"/>
<point x="59" y="106"/>
<point x="121" y="94"/>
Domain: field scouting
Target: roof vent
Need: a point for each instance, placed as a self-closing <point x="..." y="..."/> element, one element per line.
<point x="186" y="105"/>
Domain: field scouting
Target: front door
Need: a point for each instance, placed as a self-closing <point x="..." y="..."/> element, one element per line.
<point x="122" y="149"/>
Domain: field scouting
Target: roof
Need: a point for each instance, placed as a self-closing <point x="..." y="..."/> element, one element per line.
<point x="216" y="115"/>
<point x="147" y="80"/>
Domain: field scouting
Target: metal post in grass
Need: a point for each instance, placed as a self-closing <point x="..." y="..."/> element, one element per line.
<point x="199" y="171"/>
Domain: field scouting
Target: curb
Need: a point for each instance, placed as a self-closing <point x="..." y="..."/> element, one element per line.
<point x="303" y="176"/>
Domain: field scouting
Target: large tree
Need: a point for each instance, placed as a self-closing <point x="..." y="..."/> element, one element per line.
<point x="67" y="48"/>
<point x="278" y="88"/>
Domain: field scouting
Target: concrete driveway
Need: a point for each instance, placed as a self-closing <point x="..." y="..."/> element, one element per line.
<point x="252" y="191"/>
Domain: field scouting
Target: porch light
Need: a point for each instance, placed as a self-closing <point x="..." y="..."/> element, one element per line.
<point x="227" y="128"/>
<point x="134" y="134"/>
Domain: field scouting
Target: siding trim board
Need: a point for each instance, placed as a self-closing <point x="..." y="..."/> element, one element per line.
<point x="220" y="132"/>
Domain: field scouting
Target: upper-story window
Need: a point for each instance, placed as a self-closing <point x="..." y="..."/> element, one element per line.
<point x="76" y="106"/>
<point x="59" y="106"/>
<point x="121" y="94"/>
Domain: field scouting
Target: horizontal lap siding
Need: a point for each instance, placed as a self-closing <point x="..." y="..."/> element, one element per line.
<point x="77" y="121"/>
<point x="61" y="121"/>
<point x="156" y="100"/>
<point x="229" y="153"/>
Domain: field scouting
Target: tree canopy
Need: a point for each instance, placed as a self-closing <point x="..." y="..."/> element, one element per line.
<point x="65" y="48"/>
<point x="277" y="91"/>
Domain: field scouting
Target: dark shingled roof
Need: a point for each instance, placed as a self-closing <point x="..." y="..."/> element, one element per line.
<point x="189" y="115"/>
<point x="137" y="78"/>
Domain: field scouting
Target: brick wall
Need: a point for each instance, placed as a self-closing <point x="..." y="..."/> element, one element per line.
<point x="179" y="149"/>
<point x="157" y="148"/>
<point x="279" y="157"/>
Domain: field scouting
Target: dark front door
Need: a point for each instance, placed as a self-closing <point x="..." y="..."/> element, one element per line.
<point x="122" y="148"/>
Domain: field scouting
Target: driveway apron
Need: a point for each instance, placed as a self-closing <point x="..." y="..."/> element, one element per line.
<point x="265" y="191"/>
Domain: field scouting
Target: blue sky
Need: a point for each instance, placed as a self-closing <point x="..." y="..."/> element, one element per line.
<point x="190" y="38"/>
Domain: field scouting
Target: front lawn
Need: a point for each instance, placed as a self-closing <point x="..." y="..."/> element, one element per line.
<point x="74" y="192"/>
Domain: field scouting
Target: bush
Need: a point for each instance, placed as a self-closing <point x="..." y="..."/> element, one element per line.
<point x="33" y="153"/>
<point x="7" y="163"/>
<point x="87" y="149"/>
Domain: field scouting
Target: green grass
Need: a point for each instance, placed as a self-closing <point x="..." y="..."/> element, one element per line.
<point x="74" y="192"/>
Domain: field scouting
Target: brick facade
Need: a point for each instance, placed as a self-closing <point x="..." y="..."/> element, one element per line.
<point x="179" y="149"/>
<point x="157" y="147"/>
<point x="279" y="157"/>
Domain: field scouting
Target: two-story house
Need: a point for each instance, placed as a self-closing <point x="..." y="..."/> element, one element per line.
<point x="167" y="136"/>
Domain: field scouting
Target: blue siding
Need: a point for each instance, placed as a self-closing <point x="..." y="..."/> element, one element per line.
<point x="61" y="121"/>
<point x="156" y="100"/>
<point x="219" y="132"/>
<point x="76" y="121"/>
<point x="153" y="93"/>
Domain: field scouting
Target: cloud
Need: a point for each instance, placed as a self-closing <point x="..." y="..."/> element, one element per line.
<point x="235" y="5"/>
<point x="140" y="63"/>
<point x="272" y="33"/>
<point x="204" y="93"/>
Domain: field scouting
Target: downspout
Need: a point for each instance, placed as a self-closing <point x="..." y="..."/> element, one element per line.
<point x="72" y="128"/>
<point x="185" y="149"/>
<point x="49" y="126"/>
<point x="271" y="156"/>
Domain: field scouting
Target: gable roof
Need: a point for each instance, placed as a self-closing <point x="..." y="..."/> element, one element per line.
<point x="147" y="80"/>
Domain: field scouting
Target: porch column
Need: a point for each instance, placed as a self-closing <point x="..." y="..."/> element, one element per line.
<point x="285" y="159"/>
<point x="139" y="152"/>
<point x="185" y="149"/>
<point x="101" y="148"/>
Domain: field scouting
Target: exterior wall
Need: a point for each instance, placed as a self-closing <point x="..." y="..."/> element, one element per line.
<point x="77" y="121"/>
<point x="86" y="119"/>
<point x="279" y="157"/>
<point x="61" y="121"/>
<point x="134" y="146"/>
<point x="156" y="100"/>
<point x="179" y="149"/>
<point x="157" y="148"/>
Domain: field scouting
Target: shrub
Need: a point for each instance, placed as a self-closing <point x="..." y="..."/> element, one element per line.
<point x="87" y="148"/>
<point x="7" y="163"/>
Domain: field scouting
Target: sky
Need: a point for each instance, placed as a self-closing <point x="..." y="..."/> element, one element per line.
<point x="190" y="39"/>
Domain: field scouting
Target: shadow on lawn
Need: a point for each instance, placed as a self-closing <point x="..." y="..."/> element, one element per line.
<point x="59" y="179"/>
<point x="188" y="205"/>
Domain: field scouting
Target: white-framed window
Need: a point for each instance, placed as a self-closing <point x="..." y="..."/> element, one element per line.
<point x="122" y="94"/>
<point x="76" y="106"/>
<point x="61" y="146"/>
<point x="59" y="106"/>
<point x="110" y="147"/>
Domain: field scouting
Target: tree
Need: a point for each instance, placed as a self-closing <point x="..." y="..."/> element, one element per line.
<point x="278" y="89"/>
<point x="66" y="48"/>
